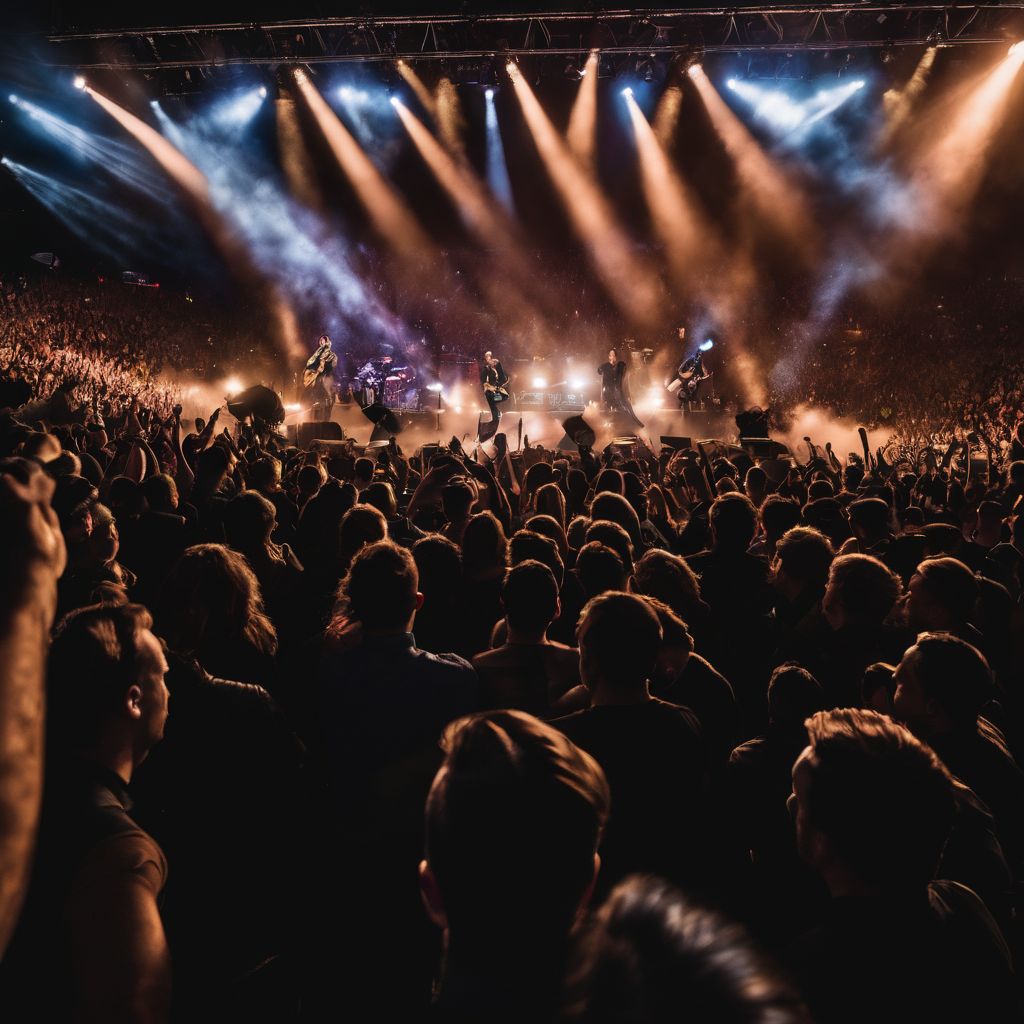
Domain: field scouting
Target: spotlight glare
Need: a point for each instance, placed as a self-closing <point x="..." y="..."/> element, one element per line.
<point x="1016" y="48"/>
<point x="436" y="388"/>
<point x="489" y="94"/>
<point x="577" y="384"/>
<point x="627" y="91"/>
<point x="13" y="98"/>
<point x="79" y="82"/>
<point x="707" y="346"/>
<point x="263" y="92"/>
<point x="731" y="83"/>
<point x="233" y="385"/>
<point x="539" y="382"/>
<point x="394" y="101"/>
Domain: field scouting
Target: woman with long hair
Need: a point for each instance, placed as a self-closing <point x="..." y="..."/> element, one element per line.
<point x="211" y="609"/>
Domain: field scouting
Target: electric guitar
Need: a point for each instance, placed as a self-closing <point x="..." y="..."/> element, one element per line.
<point x="500" y="391"/>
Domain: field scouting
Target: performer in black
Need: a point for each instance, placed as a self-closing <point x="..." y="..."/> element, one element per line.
<point x="691" y="373"/>
<point x="319" y="370"/>
<point x="614" y="389"/>
<point x="494" y="379"/>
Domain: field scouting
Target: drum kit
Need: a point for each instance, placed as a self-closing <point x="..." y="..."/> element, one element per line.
<point x="379" y="380"/>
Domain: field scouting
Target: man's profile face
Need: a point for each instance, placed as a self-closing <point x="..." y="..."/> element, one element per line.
<point x="910" y="703"/>
<point x="152" y="667"/>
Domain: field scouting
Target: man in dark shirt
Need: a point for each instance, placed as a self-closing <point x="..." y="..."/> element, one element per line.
<point x="873" y="809"/>
<point x="493" y="378"/>
<point x="942" y="685"/>
<point x="528" y="671"/>
<point x="90" y="944"/>
<point x="652" y="752"/>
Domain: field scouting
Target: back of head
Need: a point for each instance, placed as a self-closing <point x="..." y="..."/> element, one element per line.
<point x="361" y="524"/>
<point x="615" y="537"/>
<point x="382" y="497"/>
<point x="363" y="470"/>
<point x="778" y="515"/>
<point x="456" y="500"/>
<point x="265" y="473"/>
<point x="161" y="492"/>
<point x="864" y="587"/>
<point x="484" y="545"/>
<point x="871" y="516"/>
<point x="668" y="578"/>
<point x="793" y="696"/>
<point x="610" y="481"/>
<point x="550" y="501"/>
<point x="616" y="509"/>
<point x="381" y="586"/>
<point x="881" y="798"/>
<point x="249" y="520"/>
<point x="513" y="822"/>
<point x="93" y="660"/>
<point x="650" y="957"/>
<point x="619" y="639"/>
<point x="953" y="674"/>
<point x="551" y="528"/>
<point x="733" y="520"/>
<point x="309" y="479"/>
<point x="599" y="569"/>
<point x="951" y="585"/>
<point x="940" y="538"/>
<point x="537" y="475"/>
<point x="526" y="544"/>
<point x="805" y="556"/>
<point x="820" y="489"/>
<point x="212" y="597"/>
<point x="439" y="564"/>
<point x="530" y="597"/>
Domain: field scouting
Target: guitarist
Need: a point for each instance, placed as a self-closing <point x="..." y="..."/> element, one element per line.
<point x="320" y="369"/>
<point x="691" y="373"/>
<point x="494" y="380"/>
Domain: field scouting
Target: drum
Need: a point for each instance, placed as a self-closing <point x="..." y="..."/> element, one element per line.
<point x="394" y="388"/>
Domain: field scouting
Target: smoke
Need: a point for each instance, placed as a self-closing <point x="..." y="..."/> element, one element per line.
<point x="822" y="426"/>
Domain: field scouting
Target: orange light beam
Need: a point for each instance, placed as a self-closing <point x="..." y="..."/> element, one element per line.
<point x="415" y="83"/>
<point x="777" y="199"/>
<point x="628" y="278"/>
<point x="390" y="215"/>
<point x="581" y="133"/>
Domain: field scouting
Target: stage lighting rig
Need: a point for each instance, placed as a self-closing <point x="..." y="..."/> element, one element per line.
<point x="78" y="82"/>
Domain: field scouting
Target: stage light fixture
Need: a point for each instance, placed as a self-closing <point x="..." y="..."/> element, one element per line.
<point x="13" y="98"/>
<point x="394" y="101"/>
<point x="577" y="384"/>
<point x="263" y="92"/>
<point x="436" y="388"/>
<point x="489" y="94"/>
<point x="540" y="382"/>
<point x="79" y="82"/>
<point x="707" y="346"/>
<point x="1016" y="48"/>
<point x="731" y="83"/>
<point x="627" y="92"/>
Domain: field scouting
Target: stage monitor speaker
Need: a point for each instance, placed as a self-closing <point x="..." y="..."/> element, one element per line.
<point x="308" y="432"/>
<point x="385" y="422"/>
<point x="763" y="448"/>
<point x="677" y="444"/>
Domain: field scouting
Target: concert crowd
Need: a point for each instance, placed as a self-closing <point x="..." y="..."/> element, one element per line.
<point x="601" y="735"/>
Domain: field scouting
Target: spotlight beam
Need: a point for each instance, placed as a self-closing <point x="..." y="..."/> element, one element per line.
<point x="497" y="168"/>
<point x="666" y="116"/>
<point x="581" y="133"/>
<point x="194" y="184"/>
<point x="390" y="215"/>
<point x="629" y="280"/>
<point x="673" y="215"/>
<point x="423" y="94"/>
<point x="899" y="102"/>
<point x="776" y="198"/>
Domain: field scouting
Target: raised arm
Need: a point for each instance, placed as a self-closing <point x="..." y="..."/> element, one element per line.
<point x="34" y="560"/>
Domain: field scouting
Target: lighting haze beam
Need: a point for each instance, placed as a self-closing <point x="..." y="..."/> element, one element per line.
<point x="628" y="280"/>
<point x="393" y="220"/>
<point x="897" y="103"/>
<point x="423" y="94"/>
<point x="776" y="198"/>
<point x="582" y="131"/>
<point x="497" y="169"/>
